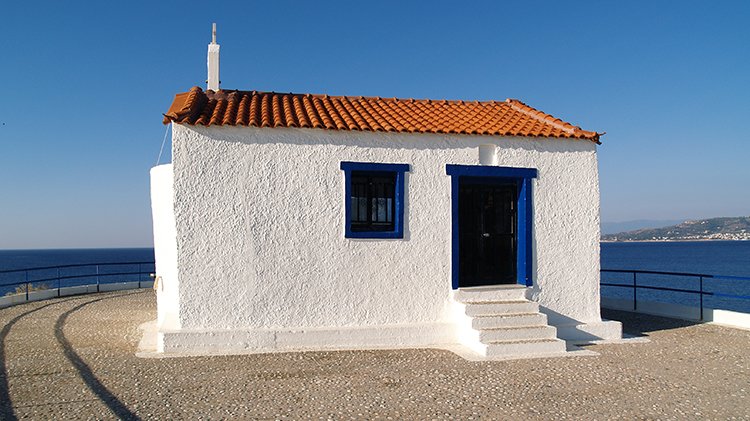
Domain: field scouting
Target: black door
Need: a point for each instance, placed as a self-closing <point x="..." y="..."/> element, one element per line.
<point x="487" y="232"/>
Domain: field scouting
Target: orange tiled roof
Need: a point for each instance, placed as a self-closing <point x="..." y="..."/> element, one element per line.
<point x="271" y="109"/>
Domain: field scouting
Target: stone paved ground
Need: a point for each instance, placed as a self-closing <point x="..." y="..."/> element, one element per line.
<point x="75" y="358"/>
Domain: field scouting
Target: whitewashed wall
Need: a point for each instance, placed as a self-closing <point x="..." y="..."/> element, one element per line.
<point x="260" y="228"/>
<point x="165" y="246"/>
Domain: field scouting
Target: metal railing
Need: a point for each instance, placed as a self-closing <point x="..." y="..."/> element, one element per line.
<point x="700" y="291"/>
<point x="69" y="276"/>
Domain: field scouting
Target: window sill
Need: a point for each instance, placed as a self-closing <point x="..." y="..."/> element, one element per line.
<point x="375" y="234"/>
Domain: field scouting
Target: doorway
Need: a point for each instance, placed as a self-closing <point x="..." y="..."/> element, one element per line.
<point x="487" y="225"/>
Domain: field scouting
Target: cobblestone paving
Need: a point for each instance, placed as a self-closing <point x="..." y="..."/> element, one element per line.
<point x="74" y="358"/>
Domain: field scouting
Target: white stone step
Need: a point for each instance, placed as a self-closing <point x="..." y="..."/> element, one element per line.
<point x="517" y="333"/>
<point x="490" y="294"/>
<point x="509" y="320"/>
<point x="501" y="307"/>
<point x="525" y="348"/>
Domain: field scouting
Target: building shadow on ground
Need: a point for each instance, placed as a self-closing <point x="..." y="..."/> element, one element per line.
<point x="638" y="324"/>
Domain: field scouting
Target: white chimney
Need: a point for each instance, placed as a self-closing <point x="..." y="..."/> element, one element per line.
<point x="213" y="62"/>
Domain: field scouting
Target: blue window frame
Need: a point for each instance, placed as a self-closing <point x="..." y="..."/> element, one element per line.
<point x="374" y="199"/>
<point x="522" y="177"/>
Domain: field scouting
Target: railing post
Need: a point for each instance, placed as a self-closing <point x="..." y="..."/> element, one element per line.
<point x="97" y="278"/>
<point x="58" y="282"/>
<point x="701" y="294"/>
<point x="27" y="285"/>
<point x="635" y="292"/>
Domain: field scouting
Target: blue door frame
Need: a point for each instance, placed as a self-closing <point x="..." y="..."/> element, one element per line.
<point x="522" y="177"/>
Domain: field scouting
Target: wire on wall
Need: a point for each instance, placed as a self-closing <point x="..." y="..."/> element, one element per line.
<point x="161" y="150"/>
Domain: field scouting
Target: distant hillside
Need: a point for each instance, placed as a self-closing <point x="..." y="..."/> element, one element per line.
<point x="705" y="229"/>
<point x="617" y="227"/>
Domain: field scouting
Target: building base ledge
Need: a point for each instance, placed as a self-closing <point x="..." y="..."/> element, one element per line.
<point x="594" y="332"/>
<point x="160" y="343"/>
<point x="184" y="342"/>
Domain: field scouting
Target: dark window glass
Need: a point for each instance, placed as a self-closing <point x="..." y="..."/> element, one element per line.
<point x="373" y="201"/>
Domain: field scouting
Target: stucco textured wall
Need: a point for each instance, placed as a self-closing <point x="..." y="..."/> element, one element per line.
<point x="260" y="227"/>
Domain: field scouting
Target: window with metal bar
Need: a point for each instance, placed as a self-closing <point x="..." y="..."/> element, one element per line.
<point x="374" y="199"/>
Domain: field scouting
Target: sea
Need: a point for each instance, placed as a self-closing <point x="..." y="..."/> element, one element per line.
<point x="720" y="258"/>
<point x="726" y="258"/>
<point x="118" y="261"/>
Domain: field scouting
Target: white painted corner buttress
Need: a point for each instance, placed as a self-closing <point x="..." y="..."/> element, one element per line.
<point x="501" y="322"/>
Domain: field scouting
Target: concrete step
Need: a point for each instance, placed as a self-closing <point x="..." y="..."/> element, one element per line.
<point x="525" y="347"/>
<point x="501" y="307"/>
<point x="509" y="320"/>
<point x="491" y="294"/>
<point x="517" y="333"/>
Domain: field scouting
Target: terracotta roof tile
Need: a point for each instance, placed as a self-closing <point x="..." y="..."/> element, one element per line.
<point x="271" y="109"/>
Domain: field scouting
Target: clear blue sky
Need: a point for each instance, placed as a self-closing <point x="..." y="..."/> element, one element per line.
<point x="85" y="86"/>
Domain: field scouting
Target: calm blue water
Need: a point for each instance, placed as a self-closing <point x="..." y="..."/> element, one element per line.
<point x="730" y="258"/>
<point x="710" y="257"/>
<point x="22" y="259"/>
